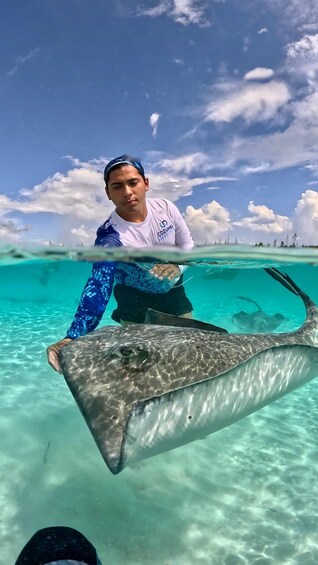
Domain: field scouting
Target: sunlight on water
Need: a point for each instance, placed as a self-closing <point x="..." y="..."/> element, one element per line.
<point x="245" y="495"/>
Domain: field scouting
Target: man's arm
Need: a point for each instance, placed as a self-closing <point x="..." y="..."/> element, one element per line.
<point x="93" y="302"/>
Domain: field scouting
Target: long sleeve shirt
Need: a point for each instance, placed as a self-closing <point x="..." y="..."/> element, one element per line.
<point x="164" y="225"/>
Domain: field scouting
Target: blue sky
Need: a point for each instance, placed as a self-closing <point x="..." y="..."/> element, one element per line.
<point x="219" y="99"/>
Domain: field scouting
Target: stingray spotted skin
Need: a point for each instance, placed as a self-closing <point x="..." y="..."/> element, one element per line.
<point x="146" y="389"/>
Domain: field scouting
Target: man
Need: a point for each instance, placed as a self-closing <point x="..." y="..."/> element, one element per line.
<point x="135" y="222"/>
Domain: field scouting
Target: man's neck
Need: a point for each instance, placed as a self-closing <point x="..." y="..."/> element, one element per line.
<point x="137" y="218"/>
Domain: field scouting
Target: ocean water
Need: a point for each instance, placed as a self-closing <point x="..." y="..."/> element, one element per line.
<point x="244" y="495"/>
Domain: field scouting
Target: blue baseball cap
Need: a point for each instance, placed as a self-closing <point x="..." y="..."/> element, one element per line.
<point x="123" y="160"/>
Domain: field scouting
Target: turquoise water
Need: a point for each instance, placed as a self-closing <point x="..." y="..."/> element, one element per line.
<point x="245" y="495"/>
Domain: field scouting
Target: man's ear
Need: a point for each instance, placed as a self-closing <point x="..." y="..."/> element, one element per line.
<point x="147" y="183"/>
<point x="107" y="192"/>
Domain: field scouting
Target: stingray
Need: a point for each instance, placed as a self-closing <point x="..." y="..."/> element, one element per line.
<point x="146" y="389"/>
<point x="258" y="321"/>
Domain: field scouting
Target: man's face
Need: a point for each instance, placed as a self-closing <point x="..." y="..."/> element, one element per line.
<point x="126" y="188"/>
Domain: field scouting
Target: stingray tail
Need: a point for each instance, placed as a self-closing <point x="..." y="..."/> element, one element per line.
<point x="288" y="283"/>
<point x="251" y="301"/>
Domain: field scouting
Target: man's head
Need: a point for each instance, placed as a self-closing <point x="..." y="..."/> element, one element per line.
<point x="121" y="161"/>
<point x="126" y="187"/>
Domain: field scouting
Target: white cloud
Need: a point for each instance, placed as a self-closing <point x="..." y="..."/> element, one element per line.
<point x="153" y="120"/>
<point x="305" y="221"/>
<point x="302" y="55"/>
<point x="83" y="234"/>
<point x="294" y="146"/>
<point x="261" y="168"/>
<point x="212" y="222"/>
<point x="162" y="8"/>
<point x="263" y="30"/>
<point x="184" y="164"/>
<point x="5" y="205"/>
<point x="184" y="12"/>
<point x="208" y="222"/>
<point x="191" y="164"/>
<point x="165" y="185"/>
<point x="12" y="231"/>
<point x="252" y="102"/>
<point x="265" y="220"/>
<point x="260" y="73"/>
<point x="306" y="111"/>
<point x="310" y="27"/>
<point x="96" y="164"/>
<point x="13" y="227"/>
<point x="189" y="12"/>
<point x="79" y="193"/>
<point x="306" y="49"/>
<point x="21" y="60"/>
<point x="298" y="13"/>
<point x="313" y="168"/>
<point x="170" y="178"/>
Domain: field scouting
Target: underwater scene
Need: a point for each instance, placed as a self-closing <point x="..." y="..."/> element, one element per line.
<point x="246" y="494"/>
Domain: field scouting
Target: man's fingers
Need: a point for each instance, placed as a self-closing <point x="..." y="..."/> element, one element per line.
<point x="53" y="351"/>
<point x="165" y="271"/>
<point x="52" y="357"/>
<point x="53" y="362"/>
<point x="175" y="272"/>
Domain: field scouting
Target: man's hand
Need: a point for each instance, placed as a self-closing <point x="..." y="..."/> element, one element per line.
<point x="165" y="271"/>
<point x="53" y="353"/>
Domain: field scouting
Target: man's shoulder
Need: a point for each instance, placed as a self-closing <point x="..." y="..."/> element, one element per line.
<point x="107" y="235"/>
<point x="158" y="204"/>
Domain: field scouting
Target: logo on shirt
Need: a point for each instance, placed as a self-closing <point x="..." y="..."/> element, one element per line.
<point x="163" y="223"/>
<point x="165" y="228"/>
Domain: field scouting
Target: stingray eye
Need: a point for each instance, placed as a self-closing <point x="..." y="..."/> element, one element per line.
<point x="125" y="352"/>
<point x="134" y="357"/>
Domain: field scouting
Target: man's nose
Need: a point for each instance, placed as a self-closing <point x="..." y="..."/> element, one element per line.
<point x="127" y="190"/>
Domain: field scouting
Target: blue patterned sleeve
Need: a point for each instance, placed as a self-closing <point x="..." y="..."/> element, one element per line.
<point x="94" y="300"/>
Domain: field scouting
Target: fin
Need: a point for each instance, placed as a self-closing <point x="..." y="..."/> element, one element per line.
<point x="163" y="319"/>
<point x="251" y="301"/>
<point x="279" y="317"/>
